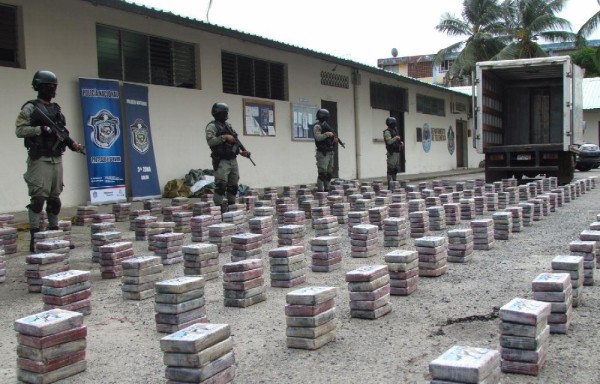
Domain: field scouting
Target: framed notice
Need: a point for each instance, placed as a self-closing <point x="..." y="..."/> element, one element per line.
<point x="259" y="118"/>
<point x="303" y="121"/>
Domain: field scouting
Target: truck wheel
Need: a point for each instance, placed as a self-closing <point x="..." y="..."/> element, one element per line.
<point x="566" y="168"/>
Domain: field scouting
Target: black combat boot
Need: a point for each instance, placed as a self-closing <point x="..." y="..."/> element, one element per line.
<point x="32" y="232"/>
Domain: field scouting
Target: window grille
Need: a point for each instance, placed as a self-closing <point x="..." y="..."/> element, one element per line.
<point x="135" y="57"/>
<point x="247" y="76"/>
<point x="431" y="106"/>
<point x="335" y="80"/>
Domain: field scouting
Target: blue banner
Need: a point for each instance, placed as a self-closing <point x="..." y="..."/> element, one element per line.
<point x="142" y="165"/>
<point x="101" y="113"/>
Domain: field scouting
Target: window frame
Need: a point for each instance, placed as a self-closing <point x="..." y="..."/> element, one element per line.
<point x="15" y="42"/>
<point x="429" y="105"/>
<point x="149" y="53"/>
<point x="249" y="76"/>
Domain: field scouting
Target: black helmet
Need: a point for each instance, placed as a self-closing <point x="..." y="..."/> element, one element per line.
<point x="391" y="122"/>
<point x="43" y="77"/>
<point x="322" y="114"/>
<point x="218" y="108"/>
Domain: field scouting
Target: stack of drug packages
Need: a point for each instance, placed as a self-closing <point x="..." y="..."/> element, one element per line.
<point x="139" y="275"/>
<point x="524" y="336"/>
<point x="243" y="283"/>
<point x="363" y="284"/>
<point x="200" y="353"/>
<point x="51" y="346"/>
<point x="179" y="303"/>
<point x="468" y="365"/>
<point x="310" y="317"/>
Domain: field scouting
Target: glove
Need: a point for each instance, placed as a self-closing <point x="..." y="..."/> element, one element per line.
<point x="46" y="130"/>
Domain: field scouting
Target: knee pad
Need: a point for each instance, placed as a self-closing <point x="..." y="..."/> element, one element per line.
<point x="329" y="176"/>
<point x="37" y="204"/>
<point x="322" y="176"/>
<point x="221" y="187"/>
<point x="232" y="189"/>
<point x="53" y="205"/>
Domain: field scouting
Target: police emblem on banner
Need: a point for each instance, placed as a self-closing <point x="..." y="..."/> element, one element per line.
<point x="140" y="138"/>
<point x="105" y="128"/>
<point x="451" y="143"/>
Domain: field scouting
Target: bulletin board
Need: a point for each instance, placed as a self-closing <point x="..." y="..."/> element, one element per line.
<point x="303" y="121"/>
<point x="259" y="118"/>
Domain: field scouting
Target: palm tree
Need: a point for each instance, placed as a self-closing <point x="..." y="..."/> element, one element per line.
<point x="527" y="21"/>
<point x="588" y="27"/>
<point x="480" y="23"/>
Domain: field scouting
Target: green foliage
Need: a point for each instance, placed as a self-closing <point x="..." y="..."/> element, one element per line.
<point x="588" y="58"/>
<point x="503" y="31"/>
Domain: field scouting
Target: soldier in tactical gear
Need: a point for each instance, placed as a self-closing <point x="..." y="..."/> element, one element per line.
<point x="224" y="147"/>
<point x="325" y="142"/>
<point x="393" y="144"/>
<point x="44" y="176"/>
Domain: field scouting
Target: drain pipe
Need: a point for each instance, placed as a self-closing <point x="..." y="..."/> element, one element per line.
<point x="355" y="84"/>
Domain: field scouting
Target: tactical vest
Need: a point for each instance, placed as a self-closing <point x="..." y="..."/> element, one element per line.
<point x="224" y="151"/>
<point x="46" y="144"/>
<point x="327" y="144"/>
<point x="395" y="146"/>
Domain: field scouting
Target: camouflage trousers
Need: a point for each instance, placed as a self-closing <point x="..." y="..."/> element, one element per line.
<point x="227" y="176"/>
<point x="393" y="165"/>
<point x="324" y="169"/>
<point x="44" y="178"/>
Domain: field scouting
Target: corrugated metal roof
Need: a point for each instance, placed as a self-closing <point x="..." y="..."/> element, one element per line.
<point x="591" y="92"/>
<point x="224" y="31"/>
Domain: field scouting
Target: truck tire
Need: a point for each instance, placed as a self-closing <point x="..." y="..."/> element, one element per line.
<point x="566" y="169"/>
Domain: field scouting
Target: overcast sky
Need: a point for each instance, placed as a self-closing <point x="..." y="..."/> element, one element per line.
<point x="359" y="30"/>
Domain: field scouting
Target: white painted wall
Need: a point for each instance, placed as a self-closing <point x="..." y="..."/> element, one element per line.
<point x="60" y="36"/>
<point x="592" y="119"/>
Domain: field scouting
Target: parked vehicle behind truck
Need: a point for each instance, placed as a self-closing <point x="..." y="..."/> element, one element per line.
<point x="528" y="117"/>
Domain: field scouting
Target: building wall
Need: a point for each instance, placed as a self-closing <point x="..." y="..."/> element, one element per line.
<point x="592" y="131"/>
<point x="61" y="36"/>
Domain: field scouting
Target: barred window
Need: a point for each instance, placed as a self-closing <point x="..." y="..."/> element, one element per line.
<point x="431" y="106"/>
<point x="335" y="80"/>
<point x="420" y="70"/>
<point x="247" y="76"/>
<point x="388" y="97"/>
<point x="132" y="56"/>
<point x="9" y="36"/>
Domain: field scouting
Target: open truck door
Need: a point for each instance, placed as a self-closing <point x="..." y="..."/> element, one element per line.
<point x="477" y="110"/>
<point x="576" y="108"/>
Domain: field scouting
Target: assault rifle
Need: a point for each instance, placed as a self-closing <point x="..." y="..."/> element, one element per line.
<point x="237" y="141"/>
<point x="59" y="131"/>
<point x="340" y="142"/>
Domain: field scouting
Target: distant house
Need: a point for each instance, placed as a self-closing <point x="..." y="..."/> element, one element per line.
<point x="422" y="67"/>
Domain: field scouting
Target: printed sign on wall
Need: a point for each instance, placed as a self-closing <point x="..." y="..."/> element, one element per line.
<point x="101" y="113"/>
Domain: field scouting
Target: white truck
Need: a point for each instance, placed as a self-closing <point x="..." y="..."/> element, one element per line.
<point x="528" y="117"/>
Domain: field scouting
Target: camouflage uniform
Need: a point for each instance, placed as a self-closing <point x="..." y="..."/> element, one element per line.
<point x="225" y="163"/>
<point x="324" y="155"/>
<point x="44" y="176"/>
<point x="393" y="153"/>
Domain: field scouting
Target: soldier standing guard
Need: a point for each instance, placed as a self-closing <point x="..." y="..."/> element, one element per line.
<point x="325" y="141"/>
<point x="224" y="147"/>
<point x="393" y="143"/>
<point x="44" y="176"/>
